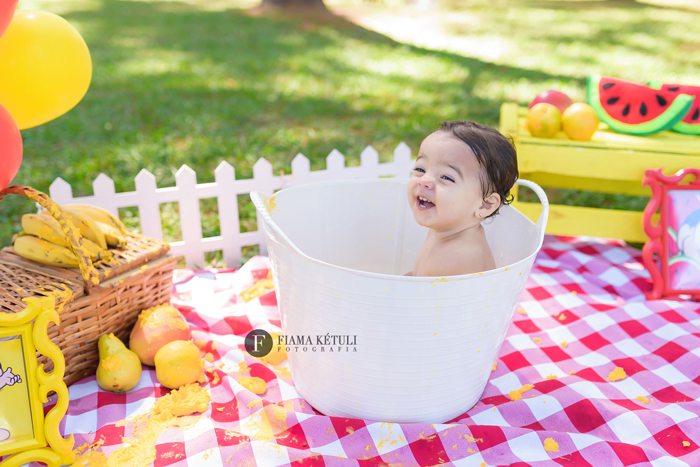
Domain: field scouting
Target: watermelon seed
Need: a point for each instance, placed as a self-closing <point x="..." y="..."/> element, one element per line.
<point x="673" y="89"/>
<point x="626" y="110"/>
<point x="643" y="109"/>
<point x="612" y="100"/>
<point x="661" y="100"/>
<point x="696" y="114"/>
<point x="608" y="85"/>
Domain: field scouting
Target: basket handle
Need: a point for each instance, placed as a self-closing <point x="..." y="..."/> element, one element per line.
<point x="89" y="273"/>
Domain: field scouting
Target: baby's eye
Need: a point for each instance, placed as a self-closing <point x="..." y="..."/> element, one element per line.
<point x="416" y="169"/>
<point x="448" y="178"/>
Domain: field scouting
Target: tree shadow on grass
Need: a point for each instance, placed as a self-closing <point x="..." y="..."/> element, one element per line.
<point x="173" y="84"/>
<point x="164" y="72"/>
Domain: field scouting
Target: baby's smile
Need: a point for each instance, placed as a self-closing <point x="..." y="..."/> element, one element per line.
<point x="424" y="203"/>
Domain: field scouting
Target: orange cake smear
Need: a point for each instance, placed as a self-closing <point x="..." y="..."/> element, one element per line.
<point x="283" y="372"/>
<point x="168" y="412"/>
<point x="261" y="287"/>
<point x="112" y="363"/>
<point x="242" y="368"/>
<point x="167" y="314"/>
<point x="268" y="423"/>
<point x="518" y="393"/>
<point x="550" y="445"/>
<point x="617" y="374"/>
<point x="253" y="384"/>
<point x="278" y="354"/>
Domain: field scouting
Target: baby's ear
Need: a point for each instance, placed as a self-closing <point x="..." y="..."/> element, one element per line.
<point x="490" y="204"/>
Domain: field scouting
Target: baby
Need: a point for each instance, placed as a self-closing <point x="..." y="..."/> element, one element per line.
<point x="463" y="174"/>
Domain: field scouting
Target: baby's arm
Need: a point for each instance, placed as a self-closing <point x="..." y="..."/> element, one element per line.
<point x="410" y="273"/>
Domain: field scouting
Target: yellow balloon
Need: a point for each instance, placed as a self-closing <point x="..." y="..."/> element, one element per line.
<point x="46" y="68"/>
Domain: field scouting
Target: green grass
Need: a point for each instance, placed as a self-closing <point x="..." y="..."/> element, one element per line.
<point x="197" y="82"/>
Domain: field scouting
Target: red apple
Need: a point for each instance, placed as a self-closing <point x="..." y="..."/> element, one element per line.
<point x="558" y="99"/>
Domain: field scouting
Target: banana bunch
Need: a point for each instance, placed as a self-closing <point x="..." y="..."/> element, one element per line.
<point x="44" y="241"/>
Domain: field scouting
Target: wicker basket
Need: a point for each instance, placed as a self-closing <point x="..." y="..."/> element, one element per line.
<point x="92" y="300"/>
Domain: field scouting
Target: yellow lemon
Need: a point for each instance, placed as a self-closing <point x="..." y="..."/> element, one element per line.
<point x="580" y="121"/>
<point x="543" y="120"/>
<point x="178" y="363"/>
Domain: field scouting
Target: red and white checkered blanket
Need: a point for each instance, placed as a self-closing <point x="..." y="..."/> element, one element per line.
<point x="586" y="293"/>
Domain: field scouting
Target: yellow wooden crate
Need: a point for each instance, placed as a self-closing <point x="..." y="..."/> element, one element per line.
<point x="610" y="163"/>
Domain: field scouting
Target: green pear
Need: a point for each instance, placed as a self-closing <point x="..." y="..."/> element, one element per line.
<point x="119" y="369"/>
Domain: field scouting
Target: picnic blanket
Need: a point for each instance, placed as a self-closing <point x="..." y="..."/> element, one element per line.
<point x="583" y="314"/>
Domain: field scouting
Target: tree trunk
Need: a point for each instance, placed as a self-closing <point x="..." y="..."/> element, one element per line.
<point x="294" y="3"/>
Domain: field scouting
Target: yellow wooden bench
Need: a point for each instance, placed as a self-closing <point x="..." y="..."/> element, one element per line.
<point x="610" y="163"/>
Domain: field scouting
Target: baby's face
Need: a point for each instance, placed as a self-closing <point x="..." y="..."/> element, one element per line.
<point x="447" y="174"/>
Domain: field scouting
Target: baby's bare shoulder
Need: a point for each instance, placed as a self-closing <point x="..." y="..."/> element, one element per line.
<point x="454" y="260"/>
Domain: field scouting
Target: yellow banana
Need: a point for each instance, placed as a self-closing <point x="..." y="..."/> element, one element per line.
<point x="99" y="214"/>
<point x="21" y="233"/>
<point x="113" y="236"/>
<point x="44" y="252"/>
<point x="96" y="253"/>
<point x="87" y="227"/>
<point x="45" y="227"/>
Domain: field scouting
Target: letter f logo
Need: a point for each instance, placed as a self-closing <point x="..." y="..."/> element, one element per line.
<point x="258" y="343"/>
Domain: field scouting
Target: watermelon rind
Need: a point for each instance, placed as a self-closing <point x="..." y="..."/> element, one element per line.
<point x="675" y="113"/>
<point x="681" y="126"/>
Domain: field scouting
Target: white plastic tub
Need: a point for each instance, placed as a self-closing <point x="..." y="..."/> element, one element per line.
<point x="425" y="345"/>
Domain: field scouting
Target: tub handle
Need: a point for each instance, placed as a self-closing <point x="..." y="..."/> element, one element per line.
<point x="544" y="215"/>
<point x="270" y="227"/>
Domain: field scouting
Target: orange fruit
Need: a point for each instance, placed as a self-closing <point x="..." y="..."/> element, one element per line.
<point x="543" y="120"/>
<point x="580" y="121"/>
<point x="178" y="363"/>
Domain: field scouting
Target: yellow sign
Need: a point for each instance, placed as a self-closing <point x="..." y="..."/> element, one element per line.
<point x="15" y="408"/>
<point x="24" y="386"/>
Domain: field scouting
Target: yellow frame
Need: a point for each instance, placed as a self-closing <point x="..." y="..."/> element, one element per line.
<point x="610" y="163"/>
<point x="35" y="338"/>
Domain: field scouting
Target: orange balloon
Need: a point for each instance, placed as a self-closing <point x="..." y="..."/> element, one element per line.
<point x="46" y="68"/>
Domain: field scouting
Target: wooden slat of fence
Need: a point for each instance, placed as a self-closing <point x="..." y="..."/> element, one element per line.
<point x="187" y="193"/>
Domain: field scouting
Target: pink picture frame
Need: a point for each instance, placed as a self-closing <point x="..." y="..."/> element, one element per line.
<point x="675" y="237"/>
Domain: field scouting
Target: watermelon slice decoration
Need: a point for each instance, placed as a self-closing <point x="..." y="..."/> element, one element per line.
<point x="690" y="124"/>
<point x="633" y="108"/>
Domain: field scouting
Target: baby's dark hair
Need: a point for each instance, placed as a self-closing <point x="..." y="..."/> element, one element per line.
<point x="495" y="154"/>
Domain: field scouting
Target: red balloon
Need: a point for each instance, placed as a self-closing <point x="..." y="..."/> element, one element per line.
<point x="10" y="148"/>
<point x="7" y="11"/>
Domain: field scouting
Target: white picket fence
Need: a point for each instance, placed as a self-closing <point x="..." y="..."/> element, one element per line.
<point x="225" y="189"/>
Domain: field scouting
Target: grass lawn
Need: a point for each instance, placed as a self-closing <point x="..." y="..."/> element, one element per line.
<point x="200" y="81"/>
